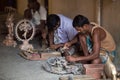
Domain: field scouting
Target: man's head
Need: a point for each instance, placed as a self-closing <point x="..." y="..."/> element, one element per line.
<point x="80" y="23"/>
<point x="53" y="22"/>
<point x="31" y="3"/>
<point x="36" y="6"/>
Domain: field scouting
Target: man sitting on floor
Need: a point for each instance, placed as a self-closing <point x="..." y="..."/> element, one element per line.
<point x="101" y="47"/>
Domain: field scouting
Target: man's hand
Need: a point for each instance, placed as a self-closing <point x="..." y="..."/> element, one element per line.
<point x="70" y="58"/>
<point x="44" y="35"/>
<point x="54" y="46"/>
<point x="67" y="45"/>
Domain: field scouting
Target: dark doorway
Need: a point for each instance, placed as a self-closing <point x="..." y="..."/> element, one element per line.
<point x="7" y="3"/>
<point x="12" y="3"/>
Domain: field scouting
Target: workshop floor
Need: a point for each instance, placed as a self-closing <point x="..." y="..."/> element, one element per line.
<point x="14" y="67"/>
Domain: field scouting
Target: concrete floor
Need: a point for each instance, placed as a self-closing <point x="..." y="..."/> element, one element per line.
<point x="14" y="67"/>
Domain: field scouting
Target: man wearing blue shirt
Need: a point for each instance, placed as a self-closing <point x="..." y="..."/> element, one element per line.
<point x="60" y="30"/>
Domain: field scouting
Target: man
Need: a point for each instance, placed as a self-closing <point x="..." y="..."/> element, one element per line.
<point x="103" y="46"/>
<point x="60" y="31"/>
<point x="100" y="39"/>
<point x="37" y="14"/>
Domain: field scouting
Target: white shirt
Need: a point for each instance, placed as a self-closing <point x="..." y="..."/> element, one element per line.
<point x="37" y="16"/>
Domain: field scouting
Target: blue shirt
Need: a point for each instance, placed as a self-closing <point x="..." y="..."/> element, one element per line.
<point x="65" y="31"/>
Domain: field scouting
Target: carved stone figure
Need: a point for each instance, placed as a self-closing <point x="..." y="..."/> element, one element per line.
<point x="9" y="41"/>
<point x="24" y="32"/>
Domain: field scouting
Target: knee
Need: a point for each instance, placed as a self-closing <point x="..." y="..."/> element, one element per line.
<point x="96" y="61"/>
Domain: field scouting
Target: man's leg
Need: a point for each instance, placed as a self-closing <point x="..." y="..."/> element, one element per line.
<point x="109" y="68"/>
<point x="44" y="38"/>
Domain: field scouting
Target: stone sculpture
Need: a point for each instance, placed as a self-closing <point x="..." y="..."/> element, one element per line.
<point x="24" y="32"/>
<point x="9" y="41"/>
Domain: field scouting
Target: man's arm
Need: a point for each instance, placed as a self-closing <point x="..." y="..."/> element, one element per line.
<point x="51" y="41"/>
<point x="74" y="40"/>
<point x="96" y="49"/>
<point x="51" y="37"/>
<point x="42" y="24"/>
<point x="82" y="40"/>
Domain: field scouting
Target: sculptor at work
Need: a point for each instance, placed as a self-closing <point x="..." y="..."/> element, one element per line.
<point x="100" y="41"/>
<point x="60" y="31"/>
<point x="97" y="44"/>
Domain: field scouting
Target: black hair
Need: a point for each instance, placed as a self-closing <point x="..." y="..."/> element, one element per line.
<point x="80" y="21"/>
<point x="52" y="21"/>
<point x="37" y="6"/>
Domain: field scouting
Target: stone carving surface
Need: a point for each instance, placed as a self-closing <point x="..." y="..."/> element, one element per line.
<point x="59" y="65"/>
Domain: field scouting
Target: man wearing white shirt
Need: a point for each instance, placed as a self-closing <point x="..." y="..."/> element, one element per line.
<point x="37" y="15"/>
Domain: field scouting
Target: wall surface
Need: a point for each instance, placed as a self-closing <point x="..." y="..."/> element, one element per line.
<point x="111" y="17"/>
<point x="111" y="21"/>
<point x="71" y="8"/>
<point x="21" y="6"/>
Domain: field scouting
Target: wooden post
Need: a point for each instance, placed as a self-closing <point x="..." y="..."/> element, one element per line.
<point x="99" y="11"/>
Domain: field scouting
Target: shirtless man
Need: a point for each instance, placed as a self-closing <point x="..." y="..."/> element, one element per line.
<point x="99" y="37"/>
<point x="98" y="48"/>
